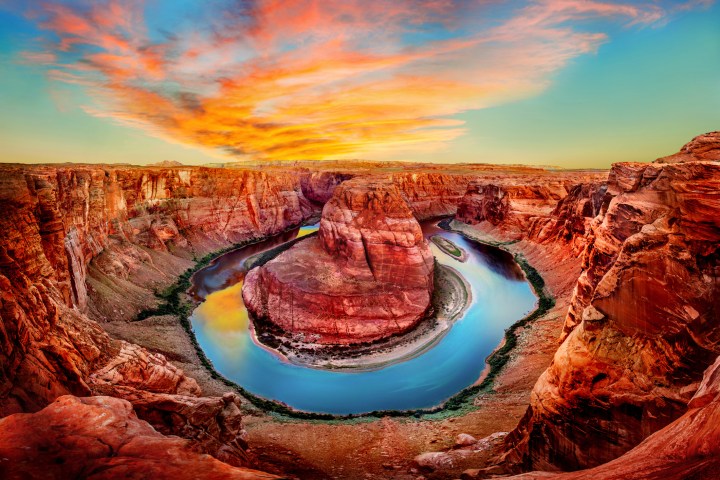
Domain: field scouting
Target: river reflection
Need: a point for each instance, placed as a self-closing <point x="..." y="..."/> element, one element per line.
<point x="499" y="261"/>
<point x="500" y="296"/>
<point x="228" y="269"/>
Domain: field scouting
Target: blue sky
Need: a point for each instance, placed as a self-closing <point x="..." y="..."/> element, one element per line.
<point x="573" y="83"/>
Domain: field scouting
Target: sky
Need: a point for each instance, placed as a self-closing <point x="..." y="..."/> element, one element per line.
<point x="569" y="83"/>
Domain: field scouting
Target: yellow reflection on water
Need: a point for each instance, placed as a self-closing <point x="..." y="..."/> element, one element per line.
<point x="224" y="319"/>
<point x="306" y="231"/>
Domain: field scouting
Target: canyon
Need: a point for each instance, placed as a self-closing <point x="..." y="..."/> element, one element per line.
<point x="640" y="328"/>
<point x="630" y="258"/>
<point x="642" y="324"/>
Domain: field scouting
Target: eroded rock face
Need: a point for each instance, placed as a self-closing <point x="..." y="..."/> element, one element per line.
<point x="368" y="226"/>
<point x="319" y="186"/>
<point x="704" y="147"/>
<point x="687" y="448"/>
<point x="430" y="194"/>
<point x="481" y="203"/>
<point x="135" y="367"/>
<point x="59" y="219"/>
<point x="213" y="424"/>
<point x="642" y="324"/>
<point x="101" y="438"/>
<point x="372" y="271"/>
<point x="549" y="212"/>
<point x="570" y="220"/>
<point x="513" y="208"/>
<point x="70" y="235"/>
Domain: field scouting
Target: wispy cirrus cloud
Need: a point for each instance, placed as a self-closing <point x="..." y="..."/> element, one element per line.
<point x="296" y="79"/>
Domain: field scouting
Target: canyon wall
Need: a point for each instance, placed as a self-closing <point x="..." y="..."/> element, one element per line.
<point x="80" y="211"/>
<point x="428" y="194"/>
<point x="62" y="226"/>
<point x="687" y="448"/>
<point x="319" y="186"/>
<point x="101" y="438"/>
<point x="642" y="324"/>
<point x="640" y="328"/>
<point x="372" y="270"/>
<point x="431" y="194"/>
<point x="541" y="211"/>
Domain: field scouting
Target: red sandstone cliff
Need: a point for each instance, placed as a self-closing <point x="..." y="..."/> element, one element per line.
<point x="643" y="321"/>
<point x="687" y="448"/>
<point x="372" y="271"/>
<point x="545" y="212"/>
<point x="428" y="194"/>
<point x="431" y="194"/>
<point x="62" y="228"/>
<point x="319" y="186"/>
<point x="101" y="438"/>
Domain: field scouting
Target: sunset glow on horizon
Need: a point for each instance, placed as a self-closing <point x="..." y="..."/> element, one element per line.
<point x="562" y="82"/>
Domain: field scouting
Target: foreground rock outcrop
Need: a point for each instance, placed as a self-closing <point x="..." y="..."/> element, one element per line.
<point x="643" y="322"/>
<point x="687" y="448"/>
<point x="372" y="271"/>
<point x="101" y="438"/>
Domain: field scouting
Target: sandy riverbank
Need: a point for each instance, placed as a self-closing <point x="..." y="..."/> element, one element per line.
<point x="449" y="247"/>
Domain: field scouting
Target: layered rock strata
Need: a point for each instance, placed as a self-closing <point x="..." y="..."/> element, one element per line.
<point x="368" y="274"/>
<point x="101" y="438"/>
<point x="319" y="186"/>
<point x="73" y="237"/>
<point x="643" y="321"/>
<point x="432" y="195"/>
<point x="545" y="213"/>
<point x="550" y="239"/>
<point x="687" y="448"/>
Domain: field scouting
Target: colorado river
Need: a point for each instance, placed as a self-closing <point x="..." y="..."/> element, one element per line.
<point x="500" y="296"/>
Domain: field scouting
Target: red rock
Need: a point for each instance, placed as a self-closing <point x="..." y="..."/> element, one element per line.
<point x="101" y="438"/>
<point x="213" y="424"/>
<point x="705" y="147"/>
<point x="372" y="271"/>
<point x="570" y="221"/>
<point x="642" y="323"/>
<point x="369" y="227"/>
<point x="430" y="194"/>
<point x="135" y="367"/>
<point x="484" y="203"/>
<point x="59" y="220"/>
<point x="548" y="212"/>
<point x="319" y="186"/>
<point x="687" y="448"/>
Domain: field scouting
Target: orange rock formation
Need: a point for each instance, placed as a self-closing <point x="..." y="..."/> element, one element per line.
<point x="372" y="271"/>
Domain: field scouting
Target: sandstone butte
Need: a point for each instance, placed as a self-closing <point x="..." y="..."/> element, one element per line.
<point x="367" y="275"/>
<point x="84" y="244"/>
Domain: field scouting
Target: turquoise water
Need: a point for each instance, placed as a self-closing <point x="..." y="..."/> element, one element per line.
<point x="500" y="296"/>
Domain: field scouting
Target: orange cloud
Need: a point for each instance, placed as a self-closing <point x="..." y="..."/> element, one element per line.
<point x="296" y="79"/>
